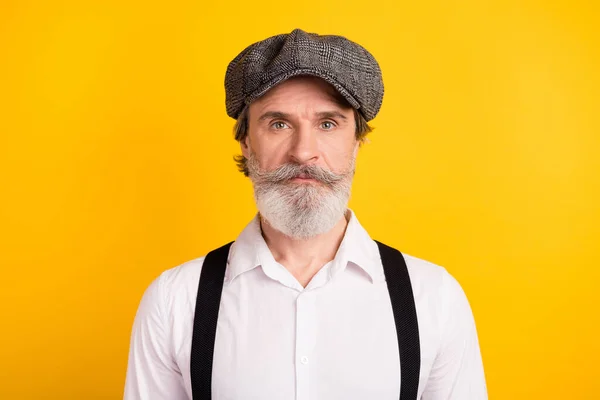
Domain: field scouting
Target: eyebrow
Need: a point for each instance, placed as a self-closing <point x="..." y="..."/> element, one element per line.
<point x="331" y="114"/>
<point x="282" y="115"/>
<point x="273" y="114"/>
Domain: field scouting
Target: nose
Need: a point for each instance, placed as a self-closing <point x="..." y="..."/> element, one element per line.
<point x="304" y="148"/>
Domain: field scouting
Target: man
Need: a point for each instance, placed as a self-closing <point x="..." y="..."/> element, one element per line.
<point x="306" y="305"/>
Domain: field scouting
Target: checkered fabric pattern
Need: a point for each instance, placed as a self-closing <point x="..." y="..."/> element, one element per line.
<point x="346" y="65"/>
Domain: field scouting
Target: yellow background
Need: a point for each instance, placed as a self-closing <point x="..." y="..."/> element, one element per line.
<point x="116" y="164"/>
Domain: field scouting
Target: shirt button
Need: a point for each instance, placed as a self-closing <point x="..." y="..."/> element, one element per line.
<point x="304" y="360"/>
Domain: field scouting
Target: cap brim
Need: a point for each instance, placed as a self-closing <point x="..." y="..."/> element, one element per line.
<point x="298" y="72"/>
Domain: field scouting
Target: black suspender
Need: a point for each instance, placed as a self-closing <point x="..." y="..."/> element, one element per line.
<point x="405" y="317"/>
<point x="207" y="313"/>
<point x="208" y="300"/>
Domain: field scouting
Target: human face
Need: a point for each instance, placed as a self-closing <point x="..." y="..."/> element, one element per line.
<point x="299" y="121"/>
<point x="300" y="189"/>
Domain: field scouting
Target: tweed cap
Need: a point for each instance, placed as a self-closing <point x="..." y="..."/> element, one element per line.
<point x="346" y="65"/>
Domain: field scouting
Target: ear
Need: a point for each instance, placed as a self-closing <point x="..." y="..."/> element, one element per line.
<point x="245" y="146"/>
<point x="356" y="147"/>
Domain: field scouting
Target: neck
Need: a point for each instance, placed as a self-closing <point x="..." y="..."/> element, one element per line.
<point x="304" y="257"/>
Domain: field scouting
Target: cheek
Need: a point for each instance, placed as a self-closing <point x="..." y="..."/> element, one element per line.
<point x="268" y="153"/>
<point x="337" y="154"/>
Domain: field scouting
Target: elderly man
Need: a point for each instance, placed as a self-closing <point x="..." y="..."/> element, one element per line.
<point x="304" y="304"/>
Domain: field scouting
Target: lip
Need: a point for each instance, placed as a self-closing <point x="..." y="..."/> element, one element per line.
<point x="303" y="179"/>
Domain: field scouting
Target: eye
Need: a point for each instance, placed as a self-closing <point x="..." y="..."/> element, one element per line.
<point x="278" y="125"/>
<point x="327" y="125"/>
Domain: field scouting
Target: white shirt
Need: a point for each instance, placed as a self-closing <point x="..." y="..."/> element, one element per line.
<point x="334" y="339"/>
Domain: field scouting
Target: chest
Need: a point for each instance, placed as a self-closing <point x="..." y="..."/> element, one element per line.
<point x="335" y="342"/>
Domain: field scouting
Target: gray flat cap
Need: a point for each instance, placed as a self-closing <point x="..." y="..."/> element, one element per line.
<point x="346" y="65"/>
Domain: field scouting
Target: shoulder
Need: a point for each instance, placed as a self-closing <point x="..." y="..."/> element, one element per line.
<point x="424" y="274"/>
<point x="164" y="296"/>
<point x="178" y="286"/>
<point x="442" y="305"/>
<point x="169" y="301"/>
<point x="180" y="283"/>
<point x="428" y="278"/>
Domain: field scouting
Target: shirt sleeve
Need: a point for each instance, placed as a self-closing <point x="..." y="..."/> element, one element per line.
<point x="457" y="372"/>
<point x="152" y="374"/>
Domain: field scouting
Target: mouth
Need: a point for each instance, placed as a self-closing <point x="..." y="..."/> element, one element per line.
<point x="303" y="178"/>
<point x="299" y="179"/>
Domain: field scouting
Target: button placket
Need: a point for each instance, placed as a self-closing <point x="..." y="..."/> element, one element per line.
<point x="305" y="340"/>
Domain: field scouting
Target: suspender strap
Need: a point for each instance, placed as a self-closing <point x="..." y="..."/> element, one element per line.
<point x="405" y="316"/>
<point x="208" y="299"/>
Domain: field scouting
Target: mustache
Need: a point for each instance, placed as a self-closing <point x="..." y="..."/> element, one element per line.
<point x="289" y="171"/>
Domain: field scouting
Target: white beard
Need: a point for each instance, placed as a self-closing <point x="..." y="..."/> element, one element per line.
<point x="301" y="210"/>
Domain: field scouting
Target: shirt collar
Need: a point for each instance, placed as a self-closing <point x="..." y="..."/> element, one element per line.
<point x="357" y="247"/>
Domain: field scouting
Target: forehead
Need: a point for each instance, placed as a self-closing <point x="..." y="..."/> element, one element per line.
<point x="302" y="88"/>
